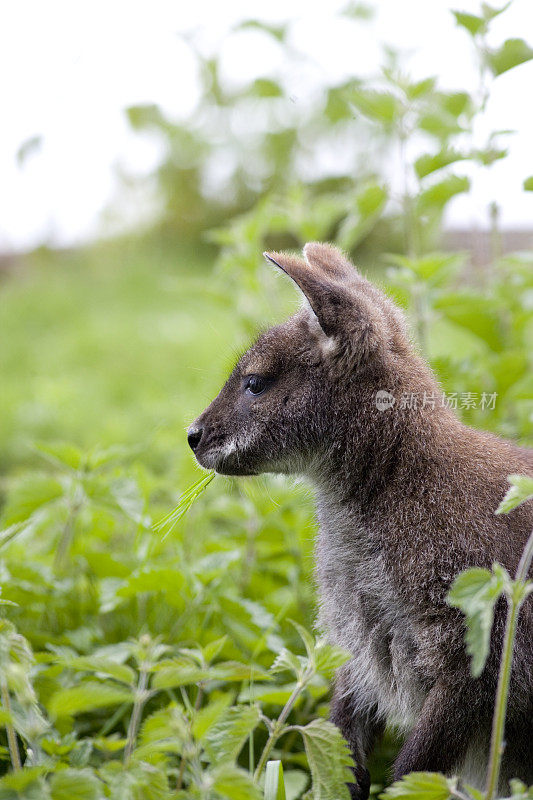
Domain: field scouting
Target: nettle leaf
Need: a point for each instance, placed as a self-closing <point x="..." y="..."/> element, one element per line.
<point x="329" y="760"/>
<point x="232" y="783"/>
<point x="426" y="164"/>
<point x="21" y="781"/>
<point x="489" y="12"/>
<point x="367" y="209"/>
<point x="519" y="790"/>
<point x="181" y="673"/>
<point x="287" y="661"/>
<point x="265" y="87"/>
<point x="75" y="784"/>
<point x="120" y="672"/>
<point x="31" y="493"/>
<point x="440" y="123"/>
<point x="512" y="53"/>
<point x="455" y="103"/>
<point x="154" y="579"/>
<point x="420" y="786"/>
<point x="432" y="268"/>
<point x="420" y="88"/>
<point x="329" y="658"/>
<point x="208" y="716"/>
<point x="470" y="22"/>
<point x="521" y="490"/>
<point x="306" y="637"/>
<point x="164" y="731"/>
<point x="63" y="453"/>
<point x="382" y="107"/>
<point x="87" y="697"/>
<point x="141" y="781"/>
<point x="440" y="193"/>
<point x="278" y="32"/>
<point x="227" y="737"/>
<point x="475" y="592"/>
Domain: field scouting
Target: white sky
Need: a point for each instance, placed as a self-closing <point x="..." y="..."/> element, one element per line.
<point x="70" y="68"/>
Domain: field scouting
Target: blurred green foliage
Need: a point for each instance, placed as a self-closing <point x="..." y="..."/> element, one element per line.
<point x="139" y="665"/>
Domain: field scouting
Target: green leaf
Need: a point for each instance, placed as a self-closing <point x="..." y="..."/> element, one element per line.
<point x="264" y="87"/>
<point x="28" y="148"/>
<point x="154" y="579"/>
<point x="207" y="717"/>
<point x="475" y="592"/>
<point x="329" y="658"/>
<point x="274" y="783"/>
<point x="433" y="268"/>
<point x="381" y="107"/>
<point x="440" y="124"/>
<point x="232" y="783"/>
<point x="227" y="737"/>
<point x="426" y="164"/>
<point x="63" y="453"/>
<point x="182" y="673"/>
<point x="438" y="195"/>
<point x="512" y="53"/>
<point x="306" y="637"/>
<point x="329" y="760"/>
<point x="140" y="781"/>
<point x="489" y="12"/>
<point x="420" y="88"/>
<point x="520" y="491"/>
<point x="420" y="786"/>
<point x="286" y="660"/>
<point x="278" y="32"/>
<point x="367" y="209"/>
<point x="455" y="103"/>
<point x="75" y="784"/>
<point x="22" y="779"/>
<point x="528" y="184"/>
<point x="470" y="22"/>
<point x="31" y="493"/>
<point x="87" y="697"/>
<point x="120" y="672"/>
<point x="476" y="313"/>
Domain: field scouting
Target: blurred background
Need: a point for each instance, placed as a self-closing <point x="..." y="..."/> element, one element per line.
<point x="150" y="153"/>
<point x="140" y="146"/>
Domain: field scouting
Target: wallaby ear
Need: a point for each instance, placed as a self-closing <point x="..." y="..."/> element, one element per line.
<point x="335" y="291"/>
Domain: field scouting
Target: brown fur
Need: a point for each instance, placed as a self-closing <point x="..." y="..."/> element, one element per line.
<point x="406" y="500"/>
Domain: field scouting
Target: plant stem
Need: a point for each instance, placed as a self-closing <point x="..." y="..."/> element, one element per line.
<point x="502" y="692"/>
<point x="278" y="726"/>
<point x="11" y="735"/>
<point x="525" y="561"/>
<point x="66" y="538"/>
<point x="141" y="697"/>
<point x="514" y="600"/>
<point x="197" y="704"/>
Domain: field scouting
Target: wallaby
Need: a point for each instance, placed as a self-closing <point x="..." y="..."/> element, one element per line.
<point x="406" y="498"/>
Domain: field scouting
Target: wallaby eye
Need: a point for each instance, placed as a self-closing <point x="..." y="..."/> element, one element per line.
<point x="255" y="384"/>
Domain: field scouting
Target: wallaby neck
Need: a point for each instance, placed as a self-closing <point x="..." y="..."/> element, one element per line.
<point x="365" y="468"/>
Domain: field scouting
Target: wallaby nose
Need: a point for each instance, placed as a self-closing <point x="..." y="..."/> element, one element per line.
<point x="193" y="437"/>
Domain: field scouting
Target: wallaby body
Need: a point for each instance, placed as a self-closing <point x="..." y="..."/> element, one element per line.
<point x="406" y="498"/>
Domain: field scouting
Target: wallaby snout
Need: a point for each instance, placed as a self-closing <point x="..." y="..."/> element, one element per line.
<point x="194" y="436"/>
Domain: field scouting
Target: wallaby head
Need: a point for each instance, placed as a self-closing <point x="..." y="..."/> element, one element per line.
<point x="308" y="384"/>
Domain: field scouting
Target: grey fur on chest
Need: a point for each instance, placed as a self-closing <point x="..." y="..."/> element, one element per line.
<point x="361" y="612"/>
